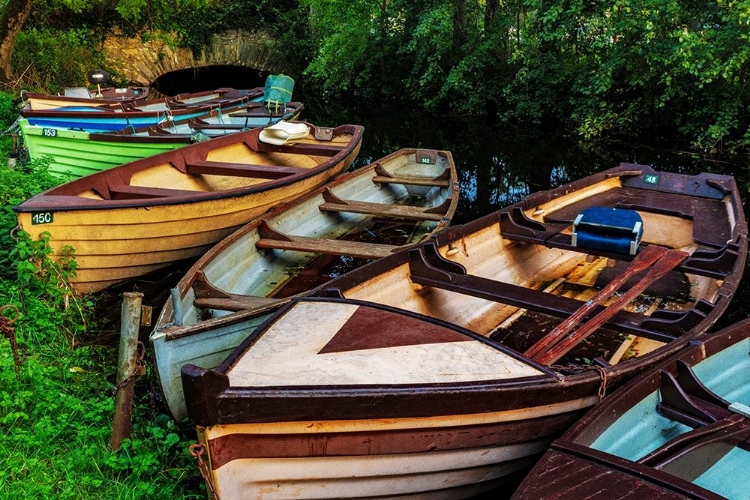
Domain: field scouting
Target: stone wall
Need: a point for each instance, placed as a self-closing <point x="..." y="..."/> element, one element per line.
<point x="141" y="62"/>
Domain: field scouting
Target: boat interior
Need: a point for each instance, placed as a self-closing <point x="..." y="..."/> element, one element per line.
<point x="516" y="278"/>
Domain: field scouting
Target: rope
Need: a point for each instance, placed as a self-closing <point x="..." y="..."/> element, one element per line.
<point x="603" y="385"/>
<point x="603" y="375"/>
<point x="197" y="450"/>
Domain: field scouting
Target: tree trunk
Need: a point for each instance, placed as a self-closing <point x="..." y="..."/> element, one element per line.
<point x="490" y="10"/>
<point x="460" y="22"/>
<point x="11" y="21"/>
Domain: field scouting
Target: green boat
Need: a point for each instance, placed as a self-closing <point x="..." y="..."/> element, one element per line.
<point x="74" y="153"/>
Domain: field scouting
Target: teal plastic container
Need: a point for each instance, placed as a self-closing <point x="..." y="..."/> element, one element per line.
<point x="278" y="89"/>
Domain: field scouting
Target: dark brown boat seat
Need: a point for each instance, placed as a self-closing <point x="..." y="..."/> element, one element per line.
<point x="241" y="169"/>
<point x="384" y="177"/>
<point x="208" y="296"/>
<point x="429" y="268"/>
<point x="273" y="239"/>
<point x="127" y="192"/>
<point x="335" y="204"/>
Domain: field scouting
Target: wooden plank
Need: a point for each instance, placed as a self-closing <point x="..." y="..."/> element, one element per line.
<point x="385" y="177"/>
<point x="382" y="210"/>
<point x="217" y="126"/>
<point x="301" y="148"/>
<point x="330" y="247"/>
<point x="241" y="169"/>
<point x="209" y="296"/>
<point x="519" y="296"/>
<point x="237" y="303"/>
<point x="411" y="181"/>
<point x="642" y="261"/>
<point x="335" y="204"/>
<point x="271" y="238"/>
<point x="126" y="192"/>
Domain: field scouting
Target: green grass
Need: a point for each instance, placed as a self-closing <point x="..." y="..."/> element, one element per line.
<point x="57" y="405"/>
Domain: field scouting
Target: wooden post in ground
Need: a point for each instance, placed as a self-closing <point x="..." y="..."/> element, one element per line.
<point x="127" y="367"/>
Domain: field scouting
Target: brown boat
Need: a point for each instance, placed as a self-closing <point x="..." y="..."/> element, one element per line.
<point x="681" y="431"/>
<point x="441" y="370"/>
<point x="135" y="218"/>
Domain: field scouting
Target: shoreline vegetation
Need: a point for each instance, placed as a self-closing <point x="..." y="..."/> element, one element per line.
<point x="629" y="71"/>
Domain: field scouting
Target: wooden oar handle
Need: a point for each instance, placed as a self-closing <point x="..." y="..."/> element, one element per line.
<point x="642" y="261"/>
<point x="661" y="268"/>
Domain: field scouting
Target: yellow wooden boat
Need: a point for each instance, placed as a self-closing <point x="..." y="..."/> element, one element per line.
<point x="141" y="216"/>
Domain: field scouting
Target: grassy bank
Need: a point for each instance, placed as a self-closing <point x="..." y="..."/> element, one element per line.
<point x="58" y="361"/>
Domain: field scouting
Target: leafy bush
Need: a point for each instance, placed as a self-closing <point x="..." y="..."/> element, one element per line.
<point x="49" y="60"/>
<point x="56" y="405"/>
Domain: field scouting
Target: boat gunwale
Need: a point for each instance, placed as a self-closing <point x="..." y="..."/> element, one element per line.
<point x="577" y="440"/>
<point x="176" y="332"/>
<point x="45" y="201"/>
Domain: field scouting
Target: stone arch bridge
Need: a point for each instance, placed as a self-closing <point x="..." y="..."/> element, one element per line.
<point x="142" y="62"/>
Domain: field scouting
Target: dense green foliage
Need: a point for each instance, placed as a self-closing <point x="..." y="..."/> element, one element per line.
<point x="51" y="60"/>
<point x="630" y="67"/>
<point x="638" y="68"/>
<point x="56" y="386"/>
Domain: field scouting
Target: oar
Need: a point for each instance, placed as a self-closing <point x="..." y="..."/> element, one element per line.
<point x="661" y="268"/>
<point x="642" y="261"/>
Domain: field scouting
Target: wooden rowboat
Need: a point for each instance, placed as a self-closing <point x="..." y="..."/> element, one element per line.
<point x="313" y="405"/>
<point x="73" y="153"/>
<point x="133" y="219"/>
<point x="81" y="95"/>
<point x="362" y="215"/>
<point x="680" y="431"/>
<point x="118" y="115"/>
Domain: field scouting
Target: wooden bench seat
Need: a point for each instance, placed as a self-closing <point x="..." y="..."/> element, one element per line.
<point x="429" y="268"/>
<point x="217" y="126"/>
<point x="237" y="303"/>
<point x="299" y="148"/>
<point x="336" y="204"/>
<point x="208" y="296"/>
<point x="272" y="239"/>
<point x="241" y="169"/>
<point x="384" y="177"/>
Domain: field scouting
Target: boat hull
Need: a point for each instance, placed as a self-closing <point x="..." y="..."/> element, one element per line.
<point x="508" y="279"/>
<point x="204" y="335"/>
<point x="73" y="154"/>
<point x="115" y="240"/>
<point x="112" y="116"/>
<point x="603" y="451"/>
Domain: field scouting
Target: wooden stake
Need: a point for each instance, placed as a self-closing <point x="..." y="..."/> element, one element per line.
<point x="126" y="367"/>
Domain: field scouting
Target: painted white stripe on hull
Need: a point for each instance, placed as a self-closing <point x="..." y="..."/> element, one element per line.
<point x="371" y="476"/>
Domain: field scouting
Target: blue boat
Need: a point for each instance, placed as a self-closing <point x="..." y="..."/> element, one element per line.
<point x="680" y="431"/>
<point x="107" y="117"/>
